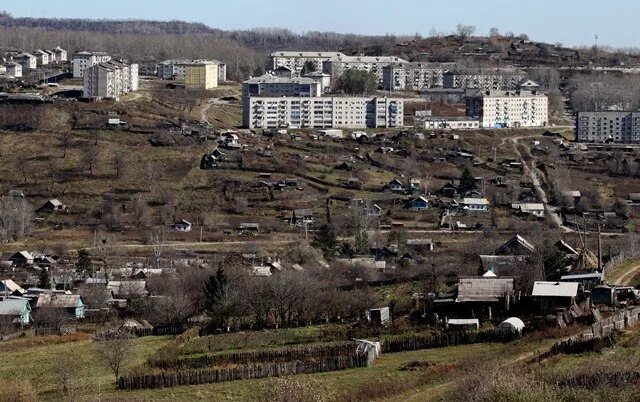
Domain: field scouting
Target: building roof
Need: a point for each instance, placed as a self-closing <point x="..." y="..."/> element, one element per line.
<point x="564" y="246"/>
<point x="515" y="245"/>
<point x="578" y="277"/>
<point x="128" y="288"/>
<point x="555" y="289"/>
<point x="528" y="207"/>
<point x="463" y="321"/>
<point x="513" y="322"/>
<point x="306" y="54"/>
<point x="475" y="201"/>
<point x="56" y="300"/>
<point x="24" y="254"/>
<point x="341" y="58"/>
<point x="11" y="286"/>
<point x="302" y="213"/>
<point x="14" y="306"/>
<point x="274" y="79"/>
<point x="483" y="289"/>
<point x="572" y="193"/>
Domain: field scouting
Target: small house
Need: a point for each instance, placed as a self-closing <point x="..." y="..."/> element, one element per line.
<point x="53" y="205"/>
<point x="18" y="308"/>
<point x="182" y="226"/>
<point x="22" y="259"/>
<point x="396" y="185"/>
<point x="517" y="245"/>
<point x="588" y="280"/>
<point x="128" y="289"/>
<point x="573" y="196"/>
<point x="71" y="305"/>
<point x="248" y="227"/>
<point x="551" y="295"/>
<point x="418" y="204"/>
<point x="475" y="204"/>
<point x="302" y="216"/>
<point x="420" y="245"/>
<point x="535" y="210"/>
<point x="379" y="316"/>
<point x="449" y="190"/>
<point x="634" y="198"/>
<point x="10" y="288"/>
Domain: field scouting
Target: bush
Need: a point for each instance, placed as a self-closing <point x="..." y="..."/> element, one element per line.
<point x="17" y="391"/>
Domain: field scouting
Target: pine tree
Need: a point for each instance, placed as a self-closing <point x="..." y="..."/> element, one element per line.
<point x="84" y="264"/>
<point x="467" y="182"/>
<point x="326" y="241"/>
<point x="44" y="279"/>
<point x="217" y="298"/>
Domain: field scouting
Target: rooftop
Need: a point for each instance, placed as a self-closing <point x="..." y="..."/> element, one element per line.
<point x="555" y="289"/>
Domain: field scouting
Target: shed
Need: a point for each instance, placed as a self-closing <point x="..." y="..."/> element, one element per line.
<point x="182" y="226"/>
<point x="418" y="204"/>
<point x="463" y="323"/>
<point x="53" y="205"/>
<point x="512" y="326"/>
<point x="379" y="316"/>
<point x="301" y="216"/>
<point x="554" y="294"/>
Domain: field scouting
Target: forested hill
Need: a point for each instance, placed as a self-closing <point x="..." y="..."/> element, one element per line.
<point x="107" y="26"/>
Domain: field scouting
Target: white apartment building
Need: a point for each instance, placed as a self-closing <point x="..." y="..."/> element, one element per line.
<point x="272" y="85"/>
<point x="42" y="57"/>
<point x="488" y="79"/>
<point x="83" y="60"/>
<point x="26" y="60"/>
<point x="503" y="109"/>
<point x="414" y="76"/>
<point x="323" y="112"/>
<point x="60" y="55"/>
<point x="177" y="69"/>
<point x="372" y="64"/>
<point x="295" y="61"/>
<point x="13" y="70"/>
<point x="110" y="79"/>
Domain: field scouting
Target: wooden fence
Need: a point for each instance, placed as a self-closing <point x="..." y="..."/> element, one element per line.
<point x="417" y="342"/>
<point x="308" y="354"/>
<point x="205" y="376"/>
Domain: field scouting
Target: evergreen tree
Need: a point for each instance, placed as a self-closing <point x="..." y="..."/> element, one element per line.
<point x="217" y="298"/>
<point x="326" y="241"/>
<point x="44" y="279"/>
<point x="467" y="182"/>
<point x="362" y="242"/>
<point x="84" y="264"/>
<point x="553" y="260"/>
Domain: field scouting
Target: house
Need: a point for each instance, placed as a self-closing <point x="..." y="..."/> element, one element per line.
<point x="418" y="204"/>
<point x="10" y="288"/>
<point x="13" y="70"/>
<point x="476" y="297"/>
<point x="420" y="245"/>
<point x="18" y="308"/>
<point x="128" y="289"/>
<point x="588" y="281"/>
<point x="529" y="209"/>
<point x="634" y="198"/>
<point x="60" y="55"/>
<point x="379" y="316"/>
<point x="22" y="259"/>
<point x="475" y="204"/>
<point x="246" y="227"/>
<point x="72" y="305"/>
<point x="27" y="61"/>
<point x="449" y="190"/>
<point x="552" y="295"/>
<point x="53" y="205"/>
<point x="573" y="195"/>
<point x="302" y="216"/>
<point x="517" y="245"/>
<point x="396" y="185"/>
<point x="182" y="226"/>
<point x="42" y="57"/>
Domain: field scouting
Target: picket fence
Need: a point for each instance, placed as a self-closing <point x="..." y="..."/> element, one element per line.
<point x="205" y="376"/>
<point x="309" y="353"/>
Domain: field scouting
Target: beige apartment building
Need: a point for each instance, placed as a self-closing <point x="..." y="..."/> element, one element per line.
<point x="201" y="75"/>
<point x="505" y="109"/>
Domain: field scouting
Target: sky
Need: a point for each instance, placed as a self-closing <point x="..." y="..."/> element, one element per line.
<point x="570" y="22"/>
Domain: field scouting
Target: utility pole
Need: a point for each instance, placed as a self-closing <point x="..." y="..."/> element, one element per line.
<point x="599" y="249"/>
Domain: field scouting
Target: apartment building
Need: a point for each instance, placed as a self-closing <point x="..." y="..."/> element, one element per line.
<point x="26" y="60"/>
<point x="83" y="60"/>
<point x="503" y="109"/>
<point x="295" y="61"/>
<point x="59" y="55"/>
<point x="445" y="123"/>
<point x="608" y="126"/>
<point x="336" y="65"/>
<point x="110" y="79"/>
<point x="177" y="69"/>
<point x="414" y="76"/>
<point x="323" y="112"/>
<point x="493" y="79"/>
<point x="272" y="85"/>
<point x="201" y="75"/>
<point x="42" y="57"/>
<point x="13" y="70"/>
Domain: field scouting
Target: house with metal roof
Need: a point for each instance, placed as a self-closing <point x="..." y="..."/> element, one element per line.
<point x="18" y="308"/>
<point x="71" y="304"/>
<point x="551" y="295"/>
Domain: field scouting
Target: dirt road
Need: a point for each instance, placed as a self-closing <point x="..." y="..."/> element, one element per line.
<point x="626" y="278"/>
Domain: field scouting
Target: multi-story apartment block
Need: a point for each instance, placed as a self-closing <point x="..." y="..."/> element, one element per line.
<point x="414" y="76"/>
<point x="323" y="112"/>
<point x="110" y="79"/>
<point x="502" y="109"/>
<point x="493" y="79"/>
<point x="608" y="126"/>
<point x="42" y="57"/>
<point x="373" y="64"/>
<point x="295" y="61"/>
<point x="272" y="85"/>
<point x="13" y="70"/>
<point x="177" y="69"/>
<point x="60" y="55"/>
<point x="26" y="60"/>
<point x="201" y="75"/>
<point x="83" y="60"/>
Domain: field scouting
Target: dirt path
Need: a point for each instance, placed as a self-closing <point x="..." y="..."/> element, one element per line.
<point x="626" y="278"/>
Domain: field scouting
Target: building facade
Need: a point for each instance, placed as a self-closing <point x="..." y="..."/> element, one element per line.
<point x="414" y="76"/>
<point x="336" y="65"/>
<point x="608" y="126"/>
<point x="13" y="70"/>
<point x="83" y="60"/>
<point x="201" y="75"/>
<point x="60" y="55"/>
<point x="505" y="109"/>
<point x="446" y="123"/>
<point x="295" y="61"/>
<point x="42" y="57"/>
<point x="484" y="79"/>
<point x="271" y="85"/>
<point x="177" y="69"/>
<point x="110" y="79"/>
<point x="323" y="112"/>
<point x="26" y="60"/>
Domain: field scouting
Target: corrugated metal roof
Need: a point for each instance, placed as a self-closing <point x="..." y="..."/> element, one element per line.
<point x="13" y="306"/>
<point x="53" y="300"/>
<point x="483" y="289"/>
<point x="555" y="289"/>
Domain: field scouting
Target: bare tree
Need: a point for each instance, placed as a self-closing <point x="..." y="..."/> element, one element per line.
<point x="465" y="30"/>
<point x="119" y="164"/>
<point x="90" y="157"/>
<point x="116" y="352"/>
<point x="139" y="211"/>
<point x="69" y="374"/>
<point x="494" y="33"/>
<point x="65" y="141"/>
<point x="157" y="242"/>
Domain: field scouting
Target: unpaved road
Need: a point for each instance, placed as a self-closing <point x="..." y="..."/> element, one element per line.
<point x="628" y="276"/>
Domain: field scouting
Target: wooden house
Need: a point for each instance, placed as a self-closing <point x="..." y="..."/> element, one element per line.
<point x="71" y="305"/>
<point x="182" y="226"/>
<point x="418" y="204"/>
<point x="18" y="308"/>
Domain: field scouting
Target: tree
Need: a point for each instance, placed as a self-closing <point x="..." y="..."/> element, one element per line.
<point x="494" y="33"/>
<point x="554" y="261"/>
<point x="467" y="181"/>
<point x="115" y="352"/>
<point x="465" y="30"/>
<point x="308" y="67"/>
<point x="326" y="241"/>
<point x="90" y="157"/>
<point x="119" y="164"/>
<point x="84" y="264"/>
<point x="69" y="373"/>
<point x="357" y="82"/>
<point x="44" y="279"/>
<point x="65" y="141"/>
<point x="139" y="211"/>
<point x="218" y="301"/>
